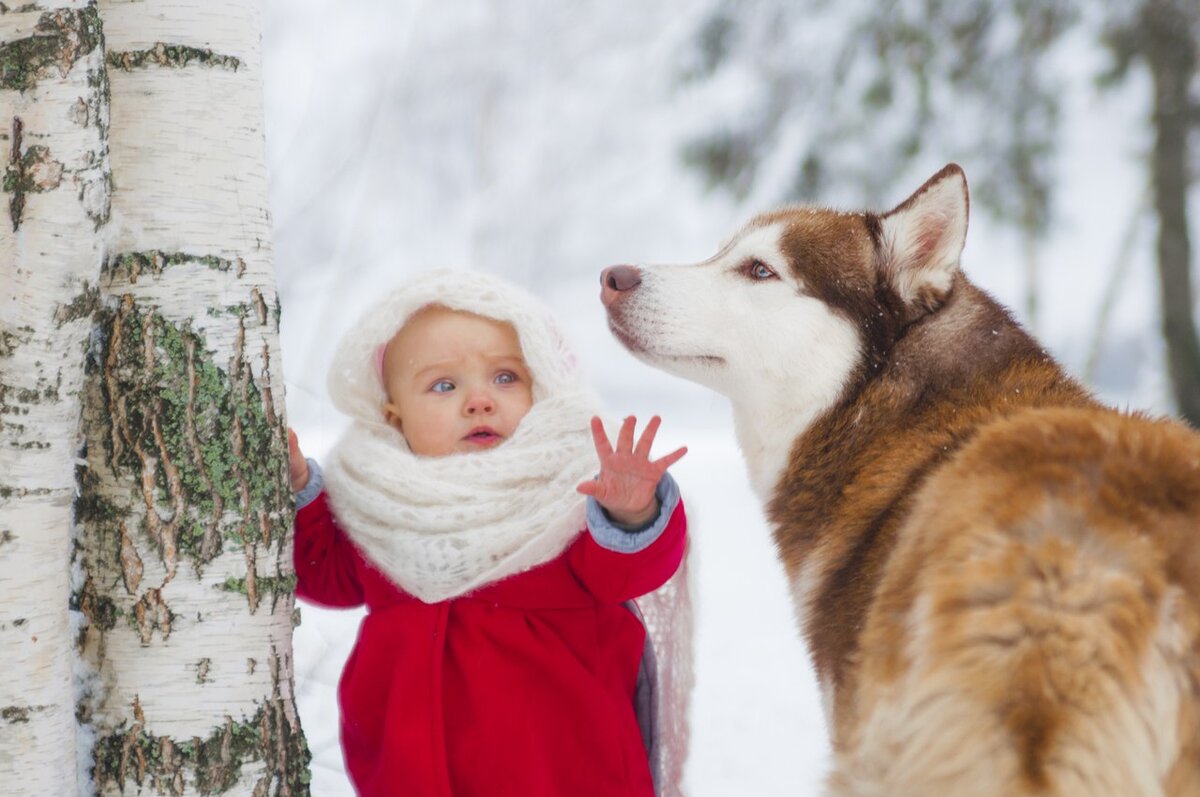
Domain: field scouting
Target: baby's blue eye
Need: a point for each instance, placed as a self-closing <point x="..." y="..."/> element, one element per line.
<point x="442" y="386"/>
<point x="505" y="378"/>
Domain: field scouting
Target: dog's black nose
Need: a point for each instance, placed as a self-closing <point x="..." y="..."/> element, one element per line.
<point x="617" y="281"/>
<point x="621" y="278"/>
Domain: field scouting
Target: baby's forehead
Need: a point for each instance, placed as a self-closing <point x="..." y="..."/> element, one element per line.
<point x="435" y="333"/>
<point x="441" y="315"/>
<point x="438" y="322"/>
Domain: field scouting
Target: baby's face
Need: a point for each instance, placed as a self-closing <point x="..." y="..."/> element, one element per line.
<point x="456" y="382"/>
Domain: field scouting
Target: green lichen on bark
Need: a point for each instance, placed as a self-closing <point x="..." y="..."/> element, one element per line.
<point x="129" y="266"/>
<point x="276" y="586"/>
<point x="187" y="460"/>
<point x="240" y="310"/>
<point x="59" y="39"/>
<point x="205" y="436"/>
<point x="170" y="55"/>
<point x="24" y="61"/>
<point x="211" y="765"/>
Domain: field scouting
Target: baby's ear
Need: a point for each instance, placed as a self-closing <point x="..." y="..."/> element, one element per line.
<point x="391" y="414"/>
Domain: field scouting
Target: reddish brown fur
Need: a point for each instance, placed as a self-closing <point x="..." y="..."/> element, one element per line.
<point x="998" y="577"/>
<point x="1125" y="486"/>
<point x="957" y="418"/>
<point x="852" y="471"/>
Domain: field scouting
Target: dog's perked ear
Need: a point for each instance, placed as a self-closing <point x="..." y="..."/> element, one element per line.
<point x="922" y="239"/>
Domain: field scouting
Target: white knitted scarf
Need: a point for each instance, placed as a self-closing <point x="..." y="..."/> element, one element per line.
<point x="440" y="527"/>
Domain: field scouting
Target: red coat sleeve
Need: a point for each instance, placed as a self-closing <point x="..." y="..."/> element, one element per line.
<point x="326" y="562"/>
<point x="615" y="577"/>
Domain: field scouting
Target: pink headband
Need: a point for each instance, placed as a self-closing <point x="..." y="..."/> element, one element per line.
<point x="379" y="352"/>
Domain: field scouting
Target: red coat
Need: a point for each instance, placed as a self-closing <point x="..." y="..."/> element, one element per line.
<point x="523" y="687"/>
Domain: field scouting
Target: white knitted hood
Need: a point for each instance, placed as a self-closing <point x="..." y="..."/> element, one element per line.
<point x="440" y="527"/>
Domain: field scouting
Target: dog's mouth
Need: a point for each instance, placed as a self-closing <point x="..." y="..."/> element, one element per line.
<point x="637" y="346"/>
<point x="627" y="340"/>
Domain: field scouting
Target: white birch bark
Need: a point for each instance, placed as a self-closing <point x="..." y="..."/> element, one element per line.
<point x="183" y="551"/>
<point x="52" y="117"/>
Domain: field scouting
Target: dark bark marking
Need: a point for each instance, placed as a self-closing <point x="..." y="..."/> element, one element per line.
<point x="170" y="55"/>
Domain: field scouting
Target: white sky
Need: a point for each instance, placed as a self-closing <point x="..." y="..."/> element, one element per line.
<point x="539" y="140"/>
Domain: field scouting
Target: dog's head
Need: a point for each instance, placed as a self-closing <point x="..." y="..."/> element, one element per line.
<point x="797" y="303"/>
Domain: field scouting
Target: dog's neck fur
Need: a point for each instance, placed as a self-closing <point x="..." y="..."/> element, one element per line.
<point x="767" y="429"/>
<point x="771" y="413"/>
<point x="970" y="346"/>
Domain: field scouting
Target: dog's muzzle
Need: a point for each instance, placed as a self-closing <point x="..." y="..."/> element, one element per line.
<point x="617" y="282"/>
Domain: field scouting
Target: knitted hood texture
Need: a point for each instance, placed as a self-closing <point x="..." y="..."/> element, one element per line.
<point x="440" y="527"/>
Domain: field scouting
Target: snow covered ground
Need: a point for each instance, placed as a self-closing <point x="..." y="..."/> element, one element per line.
<point x="539" y="140"/>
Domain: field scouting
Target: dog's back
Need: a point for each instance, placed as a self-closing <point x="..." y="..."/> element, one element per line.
<point x="1036" y="630"/>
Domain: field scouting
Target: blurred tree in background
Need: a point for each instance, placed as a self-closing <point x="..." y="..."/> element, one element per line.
<point x="852" y="94"/>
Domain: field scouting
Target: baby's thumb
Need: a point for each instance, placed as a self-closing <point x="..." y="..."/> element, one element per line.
<point x="294" y="444"/>
<point x="297" y="465"/>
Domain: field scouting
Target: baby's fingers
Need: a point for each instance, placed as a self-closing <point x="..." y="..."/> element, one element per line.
<point x="670" y="459"/>
<point x="591" y="488"/>
<point x="625" y="436"/>
<point x="600" y="439"/>
<point x="647" y="440"/>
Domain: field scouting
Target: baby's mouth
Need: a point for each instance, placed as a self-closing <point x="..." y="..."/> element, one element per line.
<point x="483" y="436"/>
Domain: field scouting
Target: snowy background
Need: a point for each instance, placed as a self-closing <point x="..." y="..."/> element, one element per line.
<point x="540" y="140"/>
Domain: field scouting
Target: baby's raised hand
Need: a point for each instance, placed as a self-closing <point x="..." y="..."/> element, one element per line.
<point x="628" y="478"/>
<point x="297" y="465"/>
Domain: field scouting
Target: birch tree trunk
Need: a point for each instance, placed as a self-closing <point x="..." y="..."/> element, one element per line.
<point x="53" y="118"/>
<point x="156" y="350"/>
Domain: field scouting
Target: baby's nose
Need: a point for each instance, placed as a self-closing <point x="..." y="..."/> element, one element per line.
<point x="480" y="403"/>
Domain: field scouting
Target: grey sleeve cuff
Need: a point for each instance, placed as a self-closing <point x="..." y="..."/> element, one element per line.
<point x="316" y="483"/>
<point x="608" y="535"/>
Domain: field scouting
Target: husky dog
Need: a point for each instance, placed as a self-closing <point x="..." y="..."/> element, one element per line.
<point x="998" y="578"/>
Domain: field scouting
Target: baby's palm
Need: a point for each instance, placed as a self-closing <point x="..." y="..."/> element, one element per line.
<point x="628" y="477"/>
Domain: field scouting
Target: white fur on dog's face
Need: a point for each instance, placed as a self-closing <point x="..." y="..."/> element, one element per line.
<point x="779" y="353"/>
<point x="782" y="318"/>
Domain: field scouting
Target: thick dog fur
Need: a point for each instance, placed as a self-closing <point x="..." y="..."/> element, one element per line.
<point x="998" y="578"/>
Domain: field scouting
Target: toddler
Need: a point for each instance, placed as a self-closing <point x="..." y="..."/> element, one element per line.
<point x="501" y="653"/>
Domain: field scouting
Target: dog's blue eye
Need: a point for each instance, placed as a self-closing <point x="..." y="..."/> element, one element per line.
<point x="760" y="270"/>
